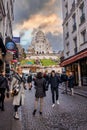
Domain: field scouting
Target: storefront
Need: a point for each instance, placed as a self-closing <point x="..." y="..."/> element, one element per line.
<point x="78" y="65"/>
<point x="74" y="68"/>
<point x="2" y="54"/>
<point x="83" y="64"/>
<point x="11" y="49"/>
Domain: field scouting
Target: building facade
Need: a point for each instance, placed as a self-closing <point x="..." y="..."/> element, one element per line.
<point x="6" y="21"/>
<point x="6" y="18"/>
<point x="75" y="39"/>
<point x="40" y="44"/>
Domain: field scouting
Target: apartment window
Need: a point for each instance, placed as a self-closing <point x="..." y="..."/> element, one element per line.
<point x="75" y="45"/>
<point x="73" y="3"/>
<point x="82" y="12"/>
<point x="83" y="36"/>
<point x="67" y="36"/>
<point x="74" y="22"/>
<point x="67" y="53"/>
<point x="66" y="9"/>
<point x="67" y="33"/>
<point x="67" y="49"/>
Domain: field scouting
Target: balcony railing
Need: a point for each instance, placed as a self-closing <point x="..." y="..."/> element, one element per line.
<point x="82" y="18"/>
<point x="74" y="27"/>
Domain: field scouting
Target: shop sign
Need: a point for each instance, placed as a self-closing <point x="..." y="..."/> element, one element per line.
<point x="10" y="45"/>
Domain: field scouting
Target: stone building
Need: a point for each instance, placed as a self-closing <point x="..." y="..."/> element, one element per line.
<point x="75" y="39"/>
<point x="6" y="18"/>
<point x="40" y="44"/>
<point x="6" y="21"/>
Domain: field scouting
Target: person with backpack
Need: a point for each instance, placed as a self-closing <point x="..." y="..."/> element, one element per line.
<point x="3" y="87"/>
<point x="29" y="81"/>
<point x="18" y="92"/>
<point x="64" y="80"/>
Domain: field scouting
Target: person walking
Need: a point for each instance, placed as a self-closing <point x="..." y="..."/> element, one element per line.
<point x="71" y="83"/>
<point x="46" y="76"/>
<point x="54" y="82"/>
<point x="29" y="81"/>
<point x="39" y="93"/>
<point x="3" y="87"/>
<point x="64" y="80"/>
<point x="18" y="98"/>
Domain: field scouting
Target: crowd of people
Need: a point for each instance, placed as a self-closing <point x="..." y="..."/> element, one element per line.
<point x="16" y="87"/>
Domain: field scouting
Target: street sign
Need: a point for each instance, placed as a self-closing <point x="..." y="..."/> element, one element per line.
<point x="16" y="39"/>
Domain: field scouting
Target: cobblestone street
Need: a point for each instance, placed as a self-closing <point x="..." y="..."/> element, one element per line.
<point x="71" y="114"/>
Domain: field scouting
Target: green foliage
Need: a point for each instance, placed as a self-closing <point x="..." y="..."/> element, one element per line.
<point x="48" y="62"/>
<point x="44" y="62"/>
<point x="27" y="62"/>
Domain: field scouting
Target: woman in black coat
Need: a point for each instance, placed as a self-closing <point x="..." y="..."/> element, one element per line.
<point x="40" y="92"/>
<point x="3" y="87"/>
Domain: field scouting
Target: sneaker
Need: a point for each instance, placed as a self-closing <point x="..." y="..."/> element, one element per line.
<point x="40" y="113"/>
<point x="16" y="117"/>
<point x="53" y="105"/>
<point x="34" y="112"/>
<point x="57" y="102"/>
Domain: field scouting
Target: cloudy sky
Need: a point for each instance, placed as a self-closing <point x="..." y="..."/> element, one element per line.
<point x="31" y="15"/>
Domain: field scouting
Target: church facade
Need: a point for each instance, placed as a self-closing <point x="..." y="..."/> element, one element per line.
<point x="40" y="44"/>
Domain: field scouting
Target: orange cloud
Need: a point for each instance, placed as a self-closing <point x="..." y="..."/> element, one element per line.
<point x="51" y="23"/>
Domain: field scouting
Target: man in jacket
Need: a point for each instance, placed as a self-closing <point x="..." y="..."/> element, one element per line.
<point x="3" y="87"/>
<point x="71" y="82"/>
<point x="54" y="82"/>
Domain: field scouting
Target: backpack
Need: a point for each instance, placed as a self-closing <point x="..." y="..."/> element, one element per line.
<point x="64" y="78"/>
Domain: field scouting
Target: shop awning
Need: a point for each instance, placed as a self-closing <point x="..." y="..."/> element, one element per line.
<point x="74" y="58"/>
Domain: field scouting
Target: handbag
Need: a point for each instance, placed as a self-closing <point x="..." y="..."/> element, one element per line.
<point x="16" y="90"/>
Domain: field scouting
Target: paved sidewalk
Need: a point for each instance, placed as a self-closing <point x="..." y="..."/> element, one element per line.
<point x="81" y="91"/>
<point x="6" y="118"/>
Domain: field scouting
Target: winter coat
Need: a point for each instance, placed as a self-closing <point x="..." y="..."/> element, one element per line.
<point x="18" y="99"/>
<point x="40" y="88"/>
<point x="4" y="83"/>
<point x="64" y="78"/>
<point x="54" y="82"/>
<point x="71" y="82"/>
<point x="29" y="79"/>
